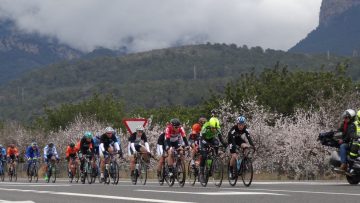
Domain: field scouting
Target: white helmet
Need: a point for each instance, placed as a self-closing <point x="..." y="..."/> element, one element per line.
<point x="140" y="128"/>
<point x="109" y="130"/>
<point x="350" y="113"/>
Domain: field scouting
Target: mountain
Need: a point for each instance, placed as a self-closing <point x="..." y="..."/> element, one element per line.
<point x="173" y="76"/>
<point x="21" y="51"/>
<point x="338" y="31"/>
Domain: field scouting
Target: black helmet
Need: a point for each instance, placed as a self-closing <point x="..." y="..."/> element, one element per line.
<point x="175" y="122"/>
<point x="72" y="145"/>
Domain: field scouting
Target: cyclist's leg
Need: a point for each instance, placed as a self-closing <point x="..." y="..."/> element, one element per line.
<point x="144" y="153"/>
<point x="160" y="151"/>
<point x="132" y="162"/>
<point x="102" y="164"/>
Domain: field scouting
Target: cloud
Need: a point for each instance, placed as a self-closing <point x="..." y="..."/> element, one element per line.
<point x="143" y="25"/>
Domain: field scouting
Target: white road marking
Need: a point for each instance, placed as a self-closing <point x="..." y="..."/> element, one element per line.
<point x="95" y="196"/>
<point x="7" y="201"/>
<point x="214" y="193"/>
<point x="305" y="192"/>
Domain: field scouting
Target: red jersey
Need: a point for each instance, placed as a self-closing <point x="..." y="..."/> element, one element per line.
<point x="174" y="134"/>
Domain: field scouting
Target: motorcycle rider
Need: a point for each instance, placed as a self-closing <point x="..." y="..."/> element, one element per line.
<point x="348" y="129"/>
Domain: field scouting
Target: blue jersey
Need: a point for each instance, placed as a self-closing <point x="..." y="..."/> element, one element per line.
<point x="2" y="153"/>
<point x="31" y="153"/>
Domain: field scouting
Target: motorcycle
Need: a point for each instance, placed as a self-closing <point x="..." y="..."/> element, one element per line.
<point x="331" y="139"/>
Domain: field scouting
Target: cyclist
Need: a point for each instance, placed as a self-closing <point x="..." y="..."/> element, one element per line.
<point x="194" y="137"/>
<point x="71" y="153"/>
<point x="50" y="154"/>
<point x="136" y="146"/>
<point x="209" y="131"/>
<point x="108" y="142"/>
<point x="32" y="152"/>
<point x="2" y="155"/>
<point x="160" y="148"/>
<point x="96" y="141"/>
<point x="12" y="155"/>
<point x="238" y="136"/>
<point x="175" y="138"/>
<point x="85" y="146"/>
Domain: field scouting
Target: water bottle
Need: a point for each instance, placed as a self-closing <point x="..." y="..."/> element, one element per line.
<point x="238" y="163"/>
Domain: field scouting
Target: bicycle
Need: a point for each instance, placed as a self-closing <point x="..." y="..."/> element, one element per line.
<point x="2" y="171"/>
<point x="140" y="171"/>
<point x="33" y="170"/>
<point x="178" y="170"/>
<point x="12" y="171"/>
<point x="89" y="171"/>
<point x="74" y="170"/>
<point x="112" y="173"/>
<point x="193" y="171"/>
<point x="214" y="168"/>
<point x="244" y="168"/>
<point x="51" y="172"/>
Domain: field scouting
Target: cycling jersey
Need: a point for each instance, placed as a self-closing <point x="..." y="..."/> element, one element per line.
<point x="106" y="141"/>
<point x="174" y="136"/>
<point x="49" y="152"/>
<point x="32" y="153"/>
<point x="2" y="153"/>
<point x="135" y="142"/>
<point x="236" y="137"/>
<point x="71" y="152"/>
<point x="84" y="146"/>
<point x="12" y="152"/>
<point x="96" y="141"/>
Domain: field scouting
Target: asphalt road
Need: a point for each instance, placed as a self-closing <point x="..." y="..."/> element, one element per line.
<point x="62" y="191"/>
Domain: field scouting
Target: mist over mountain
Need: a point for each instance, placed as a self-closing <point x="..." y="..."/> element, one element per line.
<point x="20" y="52"/>
<point x="338" y="31"/>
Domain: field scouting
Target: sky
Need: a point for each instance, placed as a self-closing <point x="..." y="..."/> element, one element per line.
<point x="143" y="25"/>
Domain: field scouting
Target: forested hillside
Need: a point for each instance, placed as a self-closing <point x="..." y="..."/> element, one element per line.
<point x="175" y="76"/>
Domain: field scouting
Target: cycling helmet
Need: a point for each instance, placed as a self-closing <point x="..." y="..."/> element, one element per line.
<point x="72" y="145"/>
<point x="140" y="128"/>
<point x="175" y="122"/>
<point x="358" y="115"/>
<point x="51" y="144"/>
<point x="33" y="144"/>
<point x="349" y="113"/>
<point x="88" y="135"/>
<point x="1" y="146"/>
<point x="11" y="145"/>
<point x="202" y="120"/>
<point x="109" y="130"/>
<point x="214" y="123"/>
<point x="241" y="120"/>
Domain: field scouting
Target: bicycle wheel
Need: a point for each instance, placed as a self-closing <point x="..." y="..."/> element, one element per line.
<point x="30" y="171"/>
<point x="180" y="173"/>
<point x="143" y="172"/>
<point x="77" y="173"/>
<point x="15" y="174"/>
<point x="10" y="174"/>
<point x="106" y="176"/>
<point x="247" y="172"/>
<point x="232" y="177"/>
<point x="88" y="172"/>
<point x="204" y="181"/>
<point x="161" y="176"/>
<point x="114" y="168"/>
<point x="217" y="172"/>
<point x="2" y="172"/>
<point x="36" y="173"/>
<point x="94" y="173"/>
<point x="170" y="180"/>
<point x="54" y="173"/>
<point x="192" y="175"/>
<point x="49" y="173"/>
